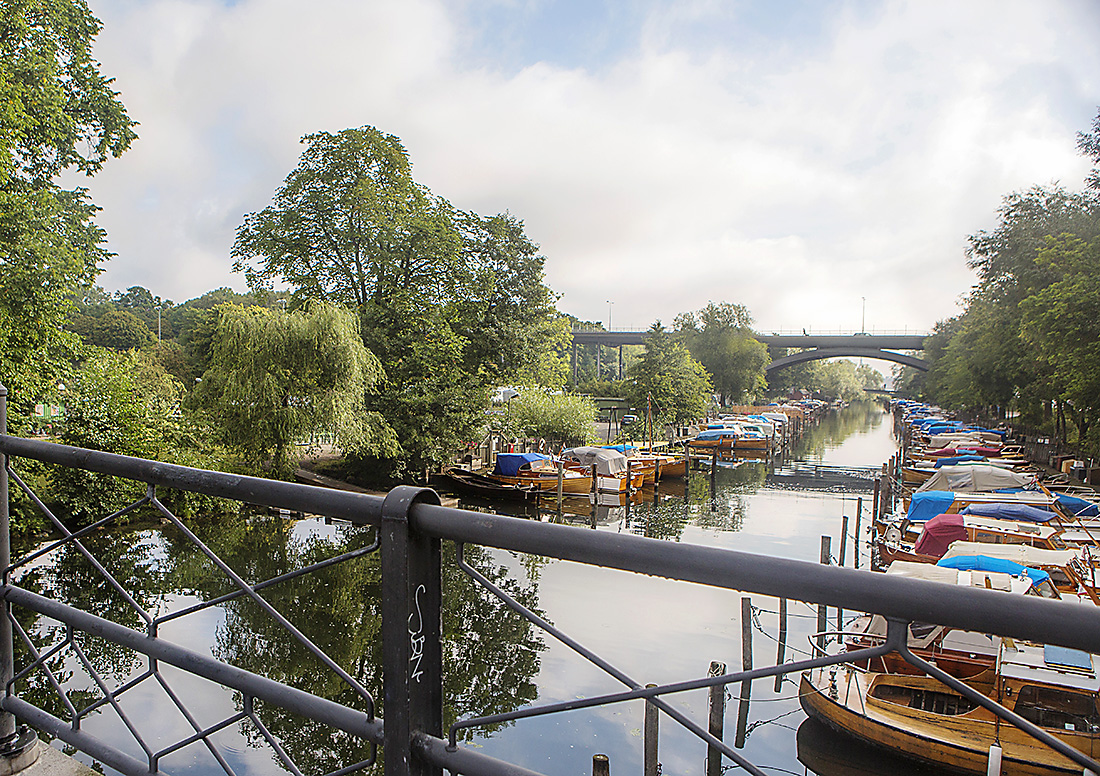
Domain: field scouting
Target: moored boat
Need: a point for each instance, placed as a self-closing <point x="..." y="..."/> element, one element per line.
<point x="921" y="718"/>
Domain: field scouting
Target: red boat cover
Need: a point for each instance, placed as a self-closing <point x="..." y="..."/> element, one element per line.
<point x="951" y="452"/>
<point x="938" y="534"/>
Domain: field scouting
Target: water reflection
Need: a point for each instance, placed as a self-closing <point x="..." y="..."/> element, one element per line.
<point x="495" y="661"/>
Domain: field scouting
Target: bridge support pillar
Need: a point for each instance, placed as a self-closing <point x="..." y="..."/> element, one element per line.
<point x="411" y="628"/>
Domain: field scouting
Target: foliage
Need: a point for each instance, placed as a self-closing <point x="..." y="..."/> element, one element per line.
<point x="57" y="112"/>
<point x="721" y="338"/>
<point x="842" y="379"/>
<point x="120" y="330"/>
<point x="1088" y="143"/>
<point x="450" y="302"/>
<point x="121" y="403"/>
<point x="666" y="376"/>
<point x="559" y="418"/>
<point x="275" y="378"/>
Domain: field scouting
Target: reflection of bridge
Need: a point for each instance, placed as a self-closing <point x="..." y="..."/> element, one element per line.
<point x="811" y="347"/>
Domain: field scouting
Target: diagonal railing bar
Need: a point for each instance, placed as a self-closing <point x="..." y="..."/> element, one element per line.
<point x="1064" y="749"/>
<point x="352" y="555"/>
<point x="595" y="659"/>
<point x="199" y="735"/>
<point x="214" y="751"/>
<point x="87" y="555"/>
<point x="356" y="767"/>
<point x="135" y="682"/>
<point x="250" y="712"/>
<point x="667" y="689"/>
<point x="40" y="661"/>
<point x="267" y="607"/>
<point x="79" y="651"/>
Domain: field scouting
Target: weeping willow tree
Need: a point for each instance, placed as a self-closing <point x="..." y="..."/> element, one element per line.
<point x="276" y="377"/>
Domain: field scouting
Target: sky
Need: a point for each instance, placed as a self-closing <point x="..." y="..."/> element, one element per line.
<point x="821" y="162"/>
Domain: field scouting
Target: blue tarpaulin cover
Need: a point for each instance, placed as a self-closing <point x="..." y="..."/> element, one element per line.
<point x="1078" y="506"/>
<point x="985" y="563"/>
<point x="717" y="433"/>
<point x="619" y="448"/>
<point x="1010" y="512"/>
<point x="958" y="459"/>
<point x="509" y="464"/>
<point x="924" y="506"/>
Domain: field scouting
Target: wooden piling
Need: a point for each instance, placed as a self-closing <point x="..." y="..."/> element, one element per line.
<point x="826" y="553"/>
<point x="746" y="665"/>
<point x="781" y="649"/>
<point x="874" y="503"/>
<point x="650" y="764"/>
<point x="601" y="765"/>
<point x="859" y="513"/>
<point x="717" y="719"/>
<point x="561" y="482"/>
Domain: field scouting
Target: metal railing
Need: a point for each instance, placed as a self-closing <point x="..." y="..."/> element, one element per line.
<point x="411" y="526"/>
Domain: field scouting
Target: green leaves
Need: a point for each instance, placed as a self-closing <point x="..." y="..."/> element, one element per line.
<point x="667" y="377"/>
<point x="275" y="378"/>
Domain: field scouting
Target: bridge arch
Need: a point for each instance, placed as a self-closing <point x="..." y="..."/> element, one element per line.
<point x="822" y="353"/>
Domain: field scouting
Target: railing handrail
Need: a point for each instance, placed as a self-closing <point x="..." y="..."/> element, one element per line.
<point x="1064" y="623"/>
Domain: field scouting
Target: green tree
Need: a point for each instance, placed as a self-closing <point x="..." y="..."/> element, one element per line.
<point x="121" y="403"/>
<point x="1062" y="321"/>
<point x="57" y="112"/>
<point x="448" y="301"/>
<point x="559" y="418"/>
<point x="1088" y="143"/>
<point x="669" y="380"/>
<point x="274" y="378"/>
<point x="721" y="338"/>
<point x="120" y="330"/>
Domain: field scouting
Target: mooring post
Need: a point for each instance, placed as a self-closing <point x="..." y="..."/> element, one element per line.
<point x="601" y="765"/>
<point x="859" y="513"/>
<point x="874" y="503"/>
<point x="717" y="719"/>
<point x="780" y="654"/>
<point x="826" y="554"/>
<point x="650" y="765"/>
<point x="411" y="625"/>
<point x="746" y="665"/>
<point x="561" y="482"/>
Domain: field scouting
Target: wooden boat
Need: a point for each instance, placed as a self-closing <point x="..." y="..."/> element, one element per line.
<point x="611" y="469"/>
<point x="921" y="718"/>
<point x="538" y="472"/>
<point x="466" y="482"/>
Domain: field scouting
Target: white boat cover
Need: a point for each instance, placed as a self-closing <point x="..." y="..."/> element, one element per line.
<point x="974" y="478"/>
<point x="1024" y="554"/>
<point x="609" y="463"/>
<point x="957" y="438"/>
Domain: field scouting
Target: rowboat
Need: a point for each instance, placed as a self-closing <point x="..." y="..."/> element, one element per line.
<point x="612" y="472"/>
<point x="921" y="718"/>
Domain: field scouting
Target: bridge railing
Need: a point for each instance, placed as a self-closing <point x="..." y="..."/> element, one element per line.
<point x="411" y="528"/>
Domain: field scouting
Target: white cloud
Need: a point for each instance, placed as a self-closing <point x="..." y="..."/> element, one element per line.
<point x="794" y="175"/>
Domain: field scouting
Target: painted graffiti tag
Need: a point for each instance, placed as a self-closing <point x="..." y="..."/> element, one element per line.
<point x="416" y="638"/>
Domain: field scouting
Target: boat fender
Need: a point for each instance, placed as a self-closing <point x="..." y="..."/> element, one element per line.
<point x="994" y="764"/>
<point x="893" y="535"/>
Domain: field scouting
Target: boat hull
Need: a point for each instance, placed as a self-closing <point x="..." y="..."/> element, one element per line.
<point x="957" y="743"/>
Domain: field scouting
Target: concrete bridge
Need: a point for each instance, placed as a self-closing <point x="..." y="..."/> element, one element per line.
<point x="812" y="346"/>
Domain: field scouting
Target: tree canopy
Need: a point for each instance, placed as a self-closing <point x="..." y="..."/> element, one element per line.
<point x="277" y="377"/>
<point x="668" y="379"/>
<point x="721" y="338"/>
<point x="57" y="112"/>
<point x="450" y="302"/>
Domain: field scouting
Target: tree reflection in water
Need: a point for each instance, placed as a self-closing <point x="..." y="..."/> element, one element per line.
<point x="491" y="655"/>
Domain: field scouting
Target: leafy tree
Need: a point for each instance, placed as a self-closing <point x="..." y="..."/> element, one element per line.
<point x="1088" y="143"/>
<point x="274" y="378"/>
<point x="120" y="330"/>
<point x="721" y="338"/>
<point x="560" y="418"/>
<point x="448" y="301"/>
<point x="120" y="403"/>
<point x="1062" y="321"/>
<point x="669" y="379"/>
<point x="57" y="112"/>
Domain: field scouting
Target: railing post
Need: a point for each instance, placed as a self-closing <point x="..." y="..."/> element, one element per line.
<point x="7" y="656"/>
<point x="18" y="746"/>
<point x="411" y="629"/>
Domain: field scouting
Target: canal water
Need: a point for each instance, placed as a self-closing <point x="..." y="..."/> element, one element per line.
<point x="651" y="629"/>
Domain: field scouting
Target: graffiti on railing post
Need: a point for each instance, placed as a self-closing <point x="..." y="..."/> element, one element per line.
<point x="416" y="637"/>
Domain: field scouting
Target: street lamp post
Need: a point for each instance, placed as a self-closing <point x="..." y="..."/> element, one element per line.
<point x="609" y="303"/>
<point x="863" y="318"/>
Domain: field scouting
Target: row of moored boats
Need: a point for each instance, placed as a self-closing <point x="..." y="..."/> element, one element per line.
<point x="975" y="513"/>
